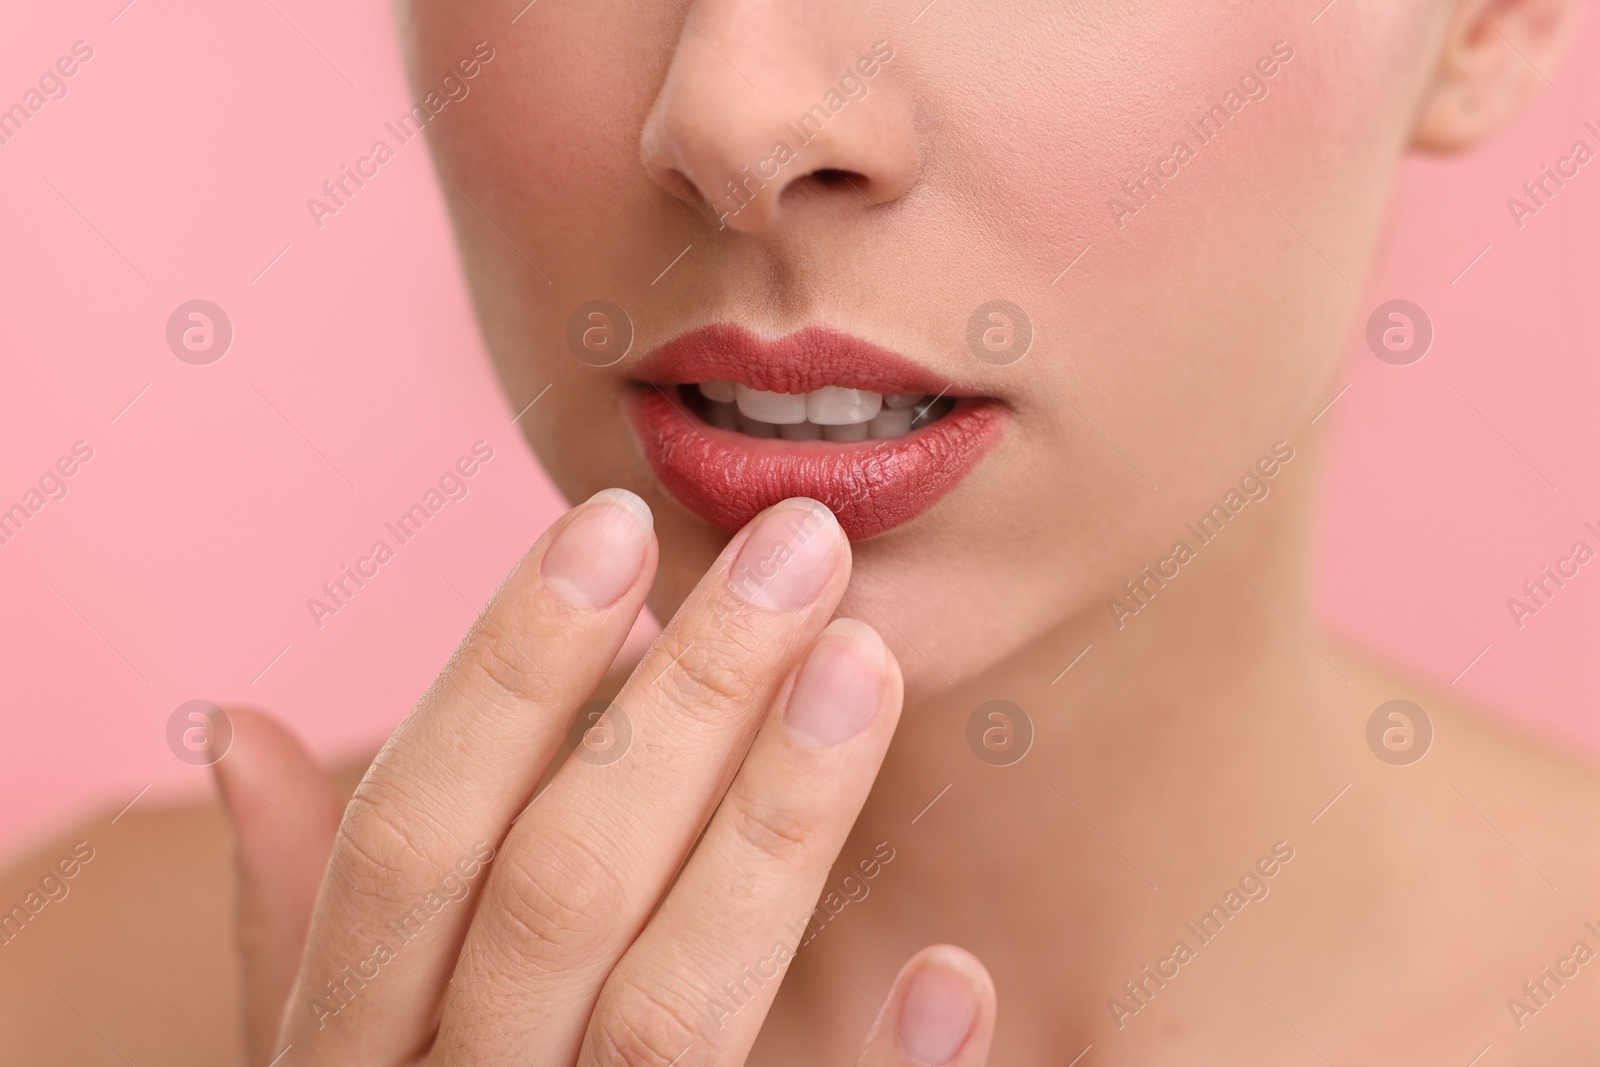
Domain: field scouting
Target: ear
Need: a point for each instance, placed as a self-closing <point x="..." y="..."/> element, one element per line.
<point x="1497" y="55"/>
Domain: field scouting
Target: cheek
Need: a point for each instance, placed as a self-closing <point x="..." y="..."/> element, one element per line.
<point x="1198" y="333"/>
<point x="542" y="161"/>
<point x="1216" y="242"/>
<point x="547" y="146"/>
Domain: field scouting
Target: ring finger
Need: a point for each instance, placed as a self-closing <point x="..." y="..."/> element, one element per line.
<point x="583" y="870"/>
<point x="410" y="853"/>
<point x="703" y="974"/>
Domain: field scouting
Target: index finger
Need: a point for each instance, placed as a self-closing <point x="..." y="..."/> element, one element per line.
<point x="582" y="871"/>
<point x="426" y="819"/>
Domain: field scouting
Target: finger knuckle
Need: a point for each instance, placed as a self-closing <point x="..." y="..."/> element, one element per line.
<point x="561" y="899"/>
<point x="646" y="1026"/>
<point x="770" y="826"/>
<point x="714" y="675"/>
<point x="384" y="849"/>
<point x="508" y="667"/>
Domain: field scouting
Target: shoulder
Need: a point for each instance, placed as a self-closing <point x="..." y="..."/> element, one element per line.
<point x="1485" y="771"/>
<point x="1489" y="848"/>
<point x="116" y="941"/>
<point x="1539" y="797"/>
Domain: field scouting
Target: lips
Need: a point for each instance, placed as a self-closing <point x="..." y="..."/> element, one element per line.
<point x="727" y="477"/>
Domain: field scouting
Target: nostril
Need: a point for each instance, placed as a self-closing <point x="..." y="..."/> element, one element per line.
<point x="829" y="180"/>
<point x="833" y="176"/>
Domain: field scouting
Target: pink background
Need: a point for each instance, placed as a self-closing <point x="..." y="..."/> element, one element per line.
<point x="179" y="564"/>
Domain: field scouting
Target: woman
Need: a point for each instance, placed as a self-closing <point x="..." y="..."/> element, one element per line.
<point x="1042" y="303"/>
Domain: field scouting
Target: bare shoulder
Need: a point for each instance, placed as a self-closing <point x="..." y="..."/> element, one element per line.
<point x="1447" y="887"/>
<point x="1491" y="835"/>
<point x="117" y="937"/>
<point x="1536" y="793"/>
<point x="116" y="941"/>
<point x="1512" y="781"/>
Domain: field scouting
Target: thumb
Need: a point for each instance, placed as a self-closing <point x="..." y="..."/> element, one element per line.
<point x="940" y="1013"/>
<point x="284" y="812"/>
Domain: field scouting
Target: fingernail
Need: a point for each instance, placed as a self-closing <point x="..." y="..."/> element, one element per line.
<point x="937" y="1013"/>
<point x="597" y="555"/>
<point x="840" y="686"/>
<point x="787" y="558"/>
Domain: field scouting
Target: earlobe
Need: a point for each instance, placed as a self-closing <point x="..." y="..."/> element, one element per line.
<point x="1496" y="57"/>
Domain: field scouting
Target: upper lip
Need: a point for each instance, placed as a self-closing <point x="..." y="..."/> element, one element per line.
<point x="799" y="362"/>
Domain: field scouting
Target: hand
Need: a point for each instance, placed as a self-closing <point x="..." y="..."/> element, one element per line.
<point x="458" y="919"/>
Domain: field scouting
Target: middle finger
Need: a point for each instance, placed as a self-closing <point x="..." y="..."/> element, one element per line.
<point x="583" y="869"/>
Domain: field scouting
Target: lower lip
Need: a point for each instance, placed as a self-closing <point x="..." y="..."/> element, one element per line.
<point x="727" y="478"/>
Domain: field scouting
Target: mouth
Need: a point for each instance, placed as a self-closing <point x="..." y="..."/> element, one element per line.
<point x="732" y="424"/>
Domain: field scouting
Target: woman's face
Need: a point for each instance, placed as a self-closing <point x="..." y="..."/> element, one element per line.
<point x="1178" y="205"/>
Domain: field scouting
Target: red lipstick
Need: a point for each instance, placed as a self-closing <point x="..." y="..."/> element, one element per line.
<point x="727" y="477"/>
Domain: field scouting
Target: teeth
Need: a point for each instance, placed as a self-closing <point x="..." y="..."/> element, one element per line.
<point x="890" y="422"/>
<point x="832" y="413"/>
<point x="834" y="405"/>
<point x="777" y="408"/>
<point x="747" y="425"/>
<point x="801" y="431"/>
<point x="721" y="392"/>
<point x="856" y="431"/>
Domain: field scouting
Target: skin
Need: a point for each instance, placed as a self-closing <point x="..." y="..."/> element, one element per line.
<point x="1166" y="762"/>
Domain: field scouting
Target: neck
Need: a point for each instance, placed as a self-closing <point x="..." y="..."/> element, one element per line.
<point x="1166" y="759"/>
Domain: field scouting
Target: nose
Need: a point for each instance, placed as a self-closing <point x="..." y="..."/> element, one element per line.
<point x="770" y="112"/>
